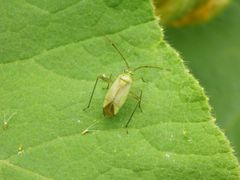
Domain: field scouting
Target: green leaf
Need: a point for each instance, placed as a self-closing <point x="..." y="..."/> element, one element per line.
<point x="51" y="53"/>
<point x="216" y="65"/>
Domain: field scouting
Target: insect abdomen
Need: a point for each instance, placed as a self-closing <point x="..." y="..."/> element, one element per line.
<point x="108" y="110"/>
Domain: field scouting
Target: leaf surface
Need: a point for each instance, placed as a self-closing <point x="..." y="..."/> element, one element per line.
<point x="217" y="65"/>
<point x="51" y="53"/>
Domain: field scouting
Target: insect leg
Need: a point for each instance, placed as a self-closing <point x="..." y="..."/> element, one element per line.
<point x="140" y="101"/>
<point x="102" y="77"/>
<point x="138" y="98"/>
<point x="143" y="80"/>
<point x="109" y="81"/>
<point x="134" y="110"/>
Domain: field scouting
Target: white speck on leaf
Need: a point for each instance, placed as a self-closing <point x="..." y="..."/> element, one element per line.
<point x="167" y="155"/>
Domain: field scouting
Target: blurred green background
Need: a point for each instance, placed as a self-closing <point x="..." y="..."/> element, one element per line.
<point x="212" y="53"/>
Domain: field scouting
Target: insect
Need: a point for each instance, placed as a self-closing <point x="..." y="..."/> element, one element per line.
<point x="119" y="91"/>
<point x="20" y="150"/>
<point x="5" y="121"/>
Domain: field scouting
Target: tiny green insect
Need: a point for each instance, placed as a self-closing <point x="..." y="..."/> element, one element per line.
<point x="119" y="91"/>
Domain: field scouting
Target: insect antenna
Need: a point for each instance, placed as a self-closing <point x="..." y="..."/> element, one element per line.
<point x="10" y="117"/>
<point x="142" y="67"/>
<point x="88" y="129"/>
<point x="115" y="47"/>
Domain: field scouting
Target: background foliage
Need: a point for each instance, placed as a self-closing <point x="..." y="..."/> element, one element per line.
<point x="212" y="52"/>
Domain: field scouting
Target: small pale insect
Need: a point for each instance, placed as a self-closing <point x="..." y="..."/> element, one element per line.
<point x="6" y="121"/>
<point x="119" y="91"/>
<point x="20" y="150"/>
<point x="5" y="125"/>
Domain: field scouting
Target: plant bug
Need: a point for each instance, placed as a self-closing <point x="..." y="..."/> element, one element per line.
<point x="119" y="91"/>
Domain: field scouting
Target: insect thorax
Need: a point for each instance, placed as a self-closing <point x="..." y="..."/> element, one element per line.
<point x="126" y="78"/>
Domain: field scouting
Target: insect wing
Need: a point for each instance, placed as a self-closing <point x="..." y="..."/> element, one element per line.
<point x="117" y="95"/>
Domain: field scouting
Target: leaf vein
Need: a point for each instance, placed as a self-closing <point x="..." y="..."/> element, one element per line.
<point x="47" y="50"/>
<point x="17" y="167"/>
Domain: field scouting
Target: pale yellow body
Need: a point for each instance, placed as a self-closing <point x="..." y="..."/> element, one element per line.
<point x="117" y="94"/>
